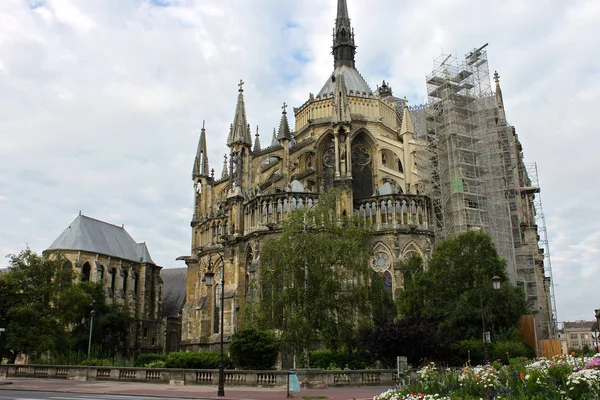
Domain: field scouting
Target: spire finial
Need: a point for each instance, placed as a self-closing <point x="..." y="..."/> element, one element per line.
<point x="203" y="122"/>
<point x="239" y="132"/>
<point x="283" y="107"/>
<point x="496" y="77"/>
<point x="343" y="38"/>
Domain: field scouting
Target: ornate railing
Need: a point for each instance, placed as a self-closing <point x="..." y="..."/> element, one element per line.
<point x="395" y="211"/>
<point x="264" y="212"/>
<point x="202" y="377"/>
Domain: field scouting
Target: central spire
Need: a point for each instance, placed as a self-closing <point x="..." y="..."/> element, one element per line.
<point x="343" y="38"/>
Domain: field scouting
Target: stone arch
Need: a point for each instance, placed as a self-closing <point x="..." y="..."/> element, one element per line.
<point x="410" y="249"/>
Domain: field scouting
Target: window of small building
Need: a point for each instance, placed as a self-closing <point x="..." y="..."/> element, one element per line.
<point x="85" y="272"/>
<point x="125" y="277"/>
<point x="113" y="279"/>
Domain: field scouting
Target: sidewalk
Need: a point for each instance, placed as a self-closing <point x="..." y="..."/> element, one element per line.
<point x="187" y="392"/>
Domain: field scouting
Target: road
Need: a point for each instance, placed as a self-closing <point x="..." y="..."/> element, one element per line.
<point x="35" y="395"/>
<point x="62" y="389"/>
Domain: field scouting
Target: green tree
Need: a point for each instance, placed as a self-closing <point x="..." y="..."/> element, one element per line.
<point x="30" y="289"/>
<point x="254" y="349"/>
<point x="316" y="285"/>
<point x="45" y="311"/>
<point x="456" y="287"/>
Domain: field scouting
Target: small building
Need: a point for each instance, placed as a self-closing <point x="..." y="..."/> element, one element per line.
<point x="103" y="252"/>
<point x="579" y="335"/>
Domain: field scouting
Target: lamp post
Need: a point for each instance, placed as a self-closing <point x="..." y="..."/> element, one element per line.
<point x="496" y="280"/>
<point x="209" y="277"/>
<point x="92" y="313"/>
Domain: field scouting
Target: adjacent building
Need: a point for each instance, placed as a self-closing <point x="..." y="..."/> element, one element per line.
<point x="101" y="252"/>
<point x="416" y="174"/>
<point x="579" y="335"/>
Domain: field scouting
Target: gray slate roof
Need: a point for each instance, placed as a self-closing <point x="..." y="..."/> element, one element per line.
<point x="174" y="287"/>
<point x="94" y="236"/>
<point x="354" y="81"/>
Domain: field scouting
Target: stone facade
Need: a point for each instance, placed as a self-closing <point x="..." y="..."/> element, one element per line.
<point x="365" y="144"/>
<point x="347" y="137"/>
<point x="102" y="252"/>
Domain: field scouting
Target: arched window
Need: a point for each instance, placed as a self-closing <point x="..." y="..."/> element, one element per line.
<point x="100" y="271"/>
<point x="136" y="282"/>
<point x="328" y="165"/>
<point x="85" y="272"/>
<point x="125" y="275"/>
<point x="113" y="279"/>
<point x="387" y="281"/>
<point x="218" y="305"/>
<point x="362" y="170"/>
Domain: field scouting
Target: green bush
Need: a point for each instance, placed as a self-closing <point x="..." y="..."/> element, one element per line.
<point x="507" y="349"/>
<point x="188" y="360"/>
<point x="155" y="364"/>
<point x="471" y="350"/>
<point x="148" y="358"/>
<point x="335" y="360"/>
<point x="96" y="362"/>
<point x="254" y="349"/>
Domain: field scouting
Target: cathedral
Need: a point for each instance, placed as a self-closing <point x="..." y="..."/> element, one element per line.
<point x="415" y="174"/>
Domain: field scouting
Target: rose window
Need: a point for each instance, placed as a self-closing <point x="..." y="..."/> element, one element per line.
<point x="360" y="155"/>
<point x="381" y="260"/>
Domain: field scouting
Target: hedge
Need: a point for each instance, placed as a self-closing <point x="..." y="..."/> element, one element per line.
<point x="147" y="358"/>
<point x="188" y="360"/>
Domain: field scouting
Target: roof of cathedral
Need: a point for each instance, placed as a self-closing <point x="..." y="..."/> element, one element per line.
<point x="355" y="83"/>
<point x="174" y="287"/>
<point x="94" y="236"/>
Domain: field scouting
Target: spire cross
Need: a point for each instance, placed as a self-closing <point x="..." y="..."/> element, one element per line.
<point x="283" y="107"/>
<point x="241" y="89"/>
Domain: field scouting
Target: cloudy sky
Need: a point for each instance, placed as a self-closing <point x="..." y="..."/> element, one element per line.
<point x="102" y="101"/>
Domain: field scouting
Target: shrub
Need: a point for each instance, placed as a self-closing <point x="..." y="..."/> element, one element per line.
<point x="148" y="358"/>
<point x="332" y="360"/>
<point x="206" y="360"/>
<point x="155" y="364"/>
<point x="507" y="349"/>
<point x="96" y="362"/>
<point x="254" y="349"/>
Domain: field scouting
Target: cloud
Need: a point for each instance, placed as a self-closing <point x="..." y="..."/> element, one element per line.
<point x="101" y="103"/>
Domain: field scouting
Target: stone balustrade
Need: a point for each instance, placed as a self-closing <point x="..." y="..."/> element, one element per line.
<point x="270" y="210"/>
<point x="395" y="211"/>
<point x="307" y="378"/>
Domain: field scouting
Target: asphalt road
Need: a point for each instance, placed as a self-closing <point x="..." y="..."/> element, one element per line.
<point x="35" y="395"/>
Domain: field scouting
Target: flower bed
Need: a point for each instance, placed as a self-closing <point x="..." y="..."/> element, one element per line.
<point x="565" y="377"/>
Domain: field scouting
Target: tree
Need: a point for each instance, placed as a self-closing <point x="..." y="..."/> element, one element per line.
<point x="456" y="289"/>
<point x="254" y="349"/>
<point x="45" y="310"/>
<point x="413" y="337"/>
<point x="315" y="282"/>
<point x="30" y="289"/>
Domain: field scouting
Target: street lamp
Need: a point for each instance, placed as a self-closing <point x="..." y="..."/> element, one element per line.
<point x="496" y="281"/>
<point x="92" y="313"/>
<point x="209" y="277"/>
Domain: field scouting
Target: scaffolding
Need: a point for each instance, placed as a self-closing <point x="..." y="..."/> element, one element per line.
<point x="468" y="165"/>
<point x="531" y="195"/>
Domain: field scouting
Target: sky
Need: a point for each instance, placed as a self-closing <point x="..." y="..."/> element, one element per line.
<point x="102" y="102"/>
